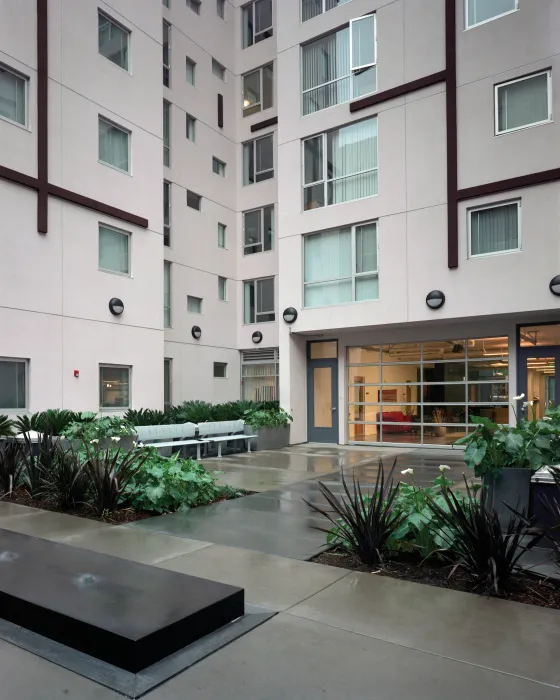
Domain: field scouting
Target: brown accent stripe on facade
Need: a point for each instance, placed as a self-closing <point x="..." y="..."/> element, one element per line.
<point x="18" y="178"/>
<point x="451" y="124"/>
<point x="399" y="91"/>
<point x="513" y="183"/>
<point x="95" y="205"/>
<point x="220" y="110"/>
<point x="42" y="115"/>
<point x="264" y="124"/>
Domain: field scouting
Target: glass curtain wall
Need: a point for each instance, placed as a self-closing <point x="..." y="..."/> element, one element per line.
<point x="424" y="393"/>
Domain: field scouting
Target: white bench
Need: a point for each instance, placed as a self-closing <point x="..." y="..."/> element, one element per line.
<point x="177" y="435"/>
<point x="224" y="431"/>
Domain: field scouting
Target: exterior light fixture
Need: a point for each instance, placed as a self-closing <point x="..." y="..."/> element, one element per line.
<point x="196" y="332"/>
<point x="257" y="337"/>
<point x="554" y="286"/>
<point x="435" y="299"/>
<point x="116" y="307"/>
<point x="290" y="315"/>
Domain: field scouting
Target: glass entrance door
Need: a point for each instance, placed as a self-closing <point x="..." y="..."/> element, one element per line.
<point x="539" y="380"/>
<point x="322" y="392"/>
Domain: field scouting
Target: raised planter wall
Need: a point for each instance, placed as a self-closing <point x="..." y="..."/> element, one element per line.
<point x="269" y="438"/>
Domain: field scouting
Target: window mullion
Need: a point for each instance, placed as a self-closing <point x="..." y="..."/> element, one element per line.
<point x="353" y="244"/>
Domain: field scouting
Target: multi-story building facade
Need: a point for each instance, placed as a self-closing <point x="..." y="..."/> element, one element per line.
<point x="351" y="205"/>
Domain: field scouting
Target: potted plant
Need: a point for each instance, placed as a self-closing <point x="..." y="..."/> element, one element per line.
<point x="438" y="417"/>
<point x="272" y="427"/>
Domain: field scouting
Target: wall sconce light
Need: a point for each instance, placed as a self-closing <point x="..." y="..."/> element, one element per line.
<point x="116" y="307"/>
<point x="554" y="286"/>
<point x="435" y="299"/>
<point x="196" y="332"/>
<point x="257" y="337"/>
<point x="290" y="315"/>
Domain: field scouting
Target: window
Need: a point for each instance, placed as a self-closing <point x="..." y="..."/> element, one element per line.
<point x="340" y="266"/>
<point x="523" y="102"/>
<point x="114" y="250"/>
<point x="194" y="5"/>
<point x="220" y="370"/>
<point x="166" y="53"/>
<point x="113" y="40"/>
<point x="222" y="288"/>
<point x="166" y="133"/>
<point x="218" y="70"/>
<point x="13" y="96"/>
<point x="221" y="236"/>
<point x="258" y="88"/>
<point x="258" y="160"/>
<point x="495" y="229"/>
<point x="221" y="8"/>
<point x="258" y="300"/>
<point x="341" y="165"/>
<point x="258" y="230"/>
<point x="340" y="67"/>
<point x="115" y="386"/>
<point x="218" y="167"/>
<point x="257" y="22"/>
<point x="194" y="305"/>
<point x="13" y="390"/>
<point x="193" y="200"/>
<point x="114" y="145"/>
<point x="259" y="374"/>
<point x="191" y="66"/>
<point x="166" y="213"/>
<point x="167" y="294"/>
<point x="312" y="8"/>
<point x="167" y="377"/>
<point x="191" y="128"/>
<point x="480" y="11"/>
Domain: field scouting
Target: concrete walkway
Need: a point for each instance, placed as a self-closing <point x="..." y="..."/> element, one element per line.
<point x="276" y="520"/>
<point x="337" y="634"/>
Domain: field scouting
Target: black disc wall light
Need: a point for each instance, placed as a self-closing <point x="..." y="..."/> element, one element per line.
<point x="554" y="286"/>
<point x="290" y="315"/>
<point x="435" y="299"/>
<point x="257" y="337"/>
<point x="196" y="332"/>
<point x="116" y="307"/>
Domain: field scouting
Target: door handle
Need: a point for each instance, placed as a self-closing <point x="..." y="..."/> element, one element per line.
<point x="333" y="408"/>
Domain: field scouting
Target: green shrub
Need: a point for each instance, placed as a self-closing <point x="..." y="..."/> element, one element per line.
<point x="6" y="426"/>
<point x="98" y="429"/>
<point x="110" y="473"/>
<point x="267" y="418"/>
<point x="11" y="464"/>
<point x="147" y="416"/>
<point x="192" y="412"/>
<point x="165" y="484"/>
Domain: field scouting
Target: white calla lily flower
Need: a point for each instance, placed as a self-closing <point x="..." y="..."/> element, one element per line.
<point x="444" y="468"/>
<point x="407" y="471"/>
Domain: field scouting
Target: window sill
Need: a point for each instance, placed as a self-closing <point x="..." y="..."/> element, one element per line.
<point x="25" y="127"/>
<point x="492" y="19"/>
<point x="523" y="128"/>
<point x="114" y="272"/>
<point x="493" y="255"/>
<point x="114" y="167"/>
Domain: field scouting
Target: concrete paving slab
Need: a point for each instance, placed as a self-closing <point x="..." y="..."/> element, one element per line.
<point x="271" y="582"/>
<point x="135" y="545"/>
<point x="279" y="459"/>
<point x="256" y="478"/>
<point x="291" y="659"/>
<point x="505" y="636"/>
<point x="7" y="509"/>
<point x="49" y="525"/>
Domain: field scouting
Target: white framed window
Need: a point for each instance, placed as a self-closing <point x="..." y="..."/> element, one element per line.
<point x="482" y="11"/>
<point x="13" y="96"/>
<point x="258" y="160"/>
<point x="218" y="70"/>
<point x="341" y="266"/>
<point x="114" y="250"/>
<point x="523" y="102"/>
<point x="114" y="145"/>
<point x="258" y="230"/>
<point x="341" y="66"/>
<point x="194" y="201"/>
<point x="167" y="133"/>
<point x="194" y="5"/>
<point x="221" y="8"/>
<point x="494" y="228"/>
<point x="13" y="384"/>
<point x="167" y="294"/>
<point x="341" y="165"/>
<point x="218" y="167"/>
<point x="257" y="22"/>
<point x="194" y="305"/>
<point x="258" y="300"/>
<point x="191" y="128"/>
<point x="191" y="71"/>
<point x="167" y="382"/>
<point x="114" y="386"/>
<point x="166" y="213"/>
<point x="222" y="229"/>
<point x="166" y="53"/>
<point x="312" y="8"/>
<point x="258" y="90"/>
<point x="220" y="370"/>
<point x="259" y="374"/>
<point x="113" y="40"/>
<point x="222" y="288"/>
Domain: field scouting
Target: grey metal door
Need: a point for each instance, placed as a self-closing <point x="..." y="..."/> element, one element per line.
<point x="322" y="392"/>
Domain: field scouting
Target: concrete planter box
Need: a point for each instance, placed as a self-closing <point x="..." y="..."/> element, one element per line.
<point x="269" y="438"/>
<point x="512" y="487"/>
<point x="544" y="490"/>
